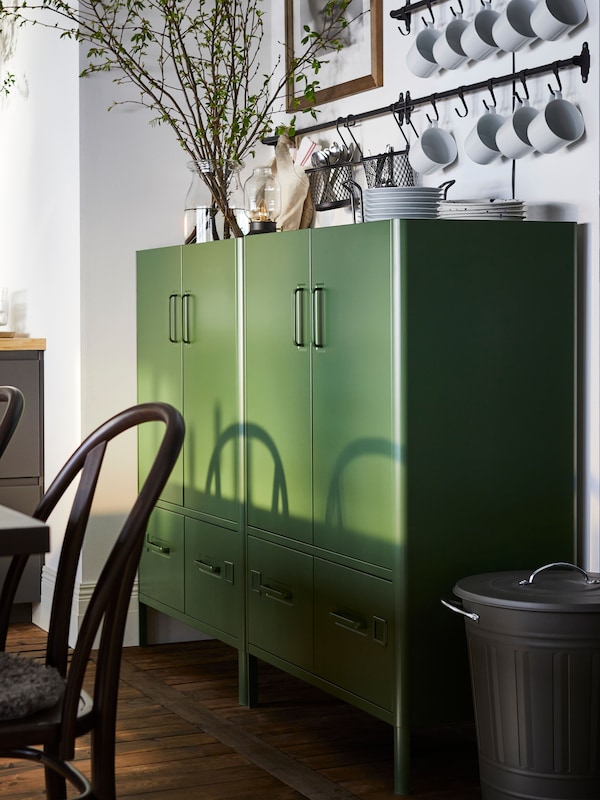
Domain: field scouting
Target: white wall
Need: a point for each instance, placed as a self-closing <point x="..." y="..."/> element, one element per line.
<point x="82" y="189"/>
<point x="40" y="222"/>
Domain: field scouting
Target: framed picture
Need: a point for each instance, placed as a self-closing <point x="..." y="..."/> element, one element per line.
<point x="357" y="67"/>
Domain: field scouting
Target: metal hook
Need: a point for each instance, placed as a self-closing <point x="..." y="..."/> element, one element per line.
<point x="491" y="91"/>
<point x="557" y="76"/>
<point x="397" y="110"/>
<point x="461" y="12"/>
<point x="431" y="15"/>
<point x="347" y="124"/>
<point x="404" y="15"/>
<point x="461" y="94"/>
<point x="486" y="3"/>
<point x="337" y="127"/>
<point x="525" y="89"/>
<point x="437" y="113"/>
<point x="408" y="107"/>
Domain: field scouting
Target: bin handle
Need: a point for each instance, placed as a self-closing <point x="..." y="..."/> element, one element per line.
<point x="531" y="578"/>
<point x="459" y="610"/>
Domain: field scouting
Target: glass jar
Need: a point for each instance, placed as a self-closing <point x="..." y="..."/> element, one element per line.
<point x="199" y="216"/>
<point x="263" y="200"/>
<point x="235" y="196"/>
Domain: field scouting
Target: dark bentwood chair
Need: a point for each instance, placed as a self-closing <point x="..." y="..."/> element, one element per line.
<point x="54" y="730"/>
<point x="13" y="398"/>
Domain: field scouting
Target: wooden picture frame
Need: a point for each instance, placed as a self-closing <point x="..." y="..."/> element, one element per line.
<point x="358" y="67"/>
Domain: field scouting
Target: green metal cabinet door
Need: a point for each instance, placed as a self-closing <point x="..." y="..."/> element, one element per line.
<point x="210" y="386"/>
<point x="354" y="448"/>
<point x="213" y="576"/>
<point x="355" y="632"/>
<point x="159" y="351"/>
<point x="161" y="565"/>
<point x="280" y="602"/>
<point x="278" y="384"/>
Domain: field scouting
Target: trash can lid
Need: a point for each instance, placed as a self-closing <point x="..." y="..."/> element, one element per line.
<point x="559" y="586"/>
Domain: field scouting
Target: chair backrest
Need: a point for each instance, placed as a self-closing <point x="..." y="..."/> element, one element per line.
<point x="109" y="603"/>
<point x="13" y="398"/>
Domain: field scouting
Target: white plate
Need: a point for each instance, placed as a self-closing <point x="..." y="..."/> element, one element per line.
<point x="401" y="203"/>
<point x="402" y="191"/>
<point x="403" y="215"/>
<point x="481" y="217"/>
<point x="463" y="205"/>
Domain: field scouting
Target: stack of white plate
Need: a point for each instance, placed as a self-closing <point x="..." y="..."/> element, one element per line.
<point x="411" y="202"/>
<point x="482" y="209"/>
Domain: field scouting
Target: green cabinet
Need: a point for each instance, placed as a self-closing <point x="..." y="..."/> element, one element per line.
<point x="373" y="412"/>
<point x="318" y="391"/>
<point x="188" y="355"/>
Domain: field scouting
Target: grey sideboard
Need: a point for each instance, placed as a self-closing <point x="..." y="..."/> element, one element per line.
<point x="22" y="465"/>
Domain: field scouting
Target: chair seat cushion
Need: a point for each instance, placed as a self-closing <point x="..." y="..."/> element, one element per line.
<point x="27" y="686"/>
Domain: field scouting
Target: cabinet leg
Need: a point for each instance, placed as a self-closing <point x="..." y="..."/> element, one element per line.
<point x="247" y="679"/>
<point x="401" y="761"/>
<point x="143" y="624"/>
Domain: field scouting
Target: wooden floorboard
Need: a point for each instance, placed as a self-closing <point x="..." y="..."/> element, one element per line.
<point x="182" y="734"/>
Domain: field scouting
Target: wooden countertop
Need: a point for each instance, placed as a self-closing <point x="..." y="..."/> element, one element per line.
<point x="21" y="343"/>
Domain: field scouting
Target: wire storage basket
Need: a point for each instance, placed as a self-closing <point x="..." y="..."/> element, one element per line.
<point x="327" y="186"/>
<point x="389" y="169"/>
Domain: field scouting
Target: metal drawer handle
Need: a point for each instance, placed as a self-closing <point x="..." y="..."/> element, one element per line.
<point x="158" y="548"/>
<point x="185" y="316"/>
<point x="299" y="317"/>
<point x="318" y="320"/>
<point x="276" y="594"/>
<point x="214" y="569"/>
<point x="566" y="564"/>
<point x="173" y="318"/>
<point x="459" y="610"/>
<point x="354" y="624"/>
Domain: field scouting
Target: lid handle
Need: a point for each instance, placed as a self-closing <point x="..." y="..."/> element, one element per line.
<point x="451" y="604"/>
<point x="531" y="578"/>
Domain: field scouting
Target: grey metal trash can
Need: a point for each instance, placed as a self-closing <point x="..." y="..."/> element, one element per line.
<point x="534" y="652"/>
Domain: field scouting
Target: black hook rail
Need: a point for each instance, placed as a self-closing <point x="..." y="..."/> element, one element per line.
<point x="406" y="104"/>
<point x="404" y="14"/>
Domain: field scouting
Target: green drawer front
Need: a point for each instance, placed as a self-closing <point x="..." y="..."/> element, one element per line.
<point x="354" y="632"/>
<point x="213" y="580"/>
<point x="280" y="602"/>
<point x="161" y="566"/>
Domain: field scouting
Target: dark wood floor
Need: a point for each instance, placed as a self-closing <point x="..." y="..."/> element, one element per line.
<point x="181" y="734"/>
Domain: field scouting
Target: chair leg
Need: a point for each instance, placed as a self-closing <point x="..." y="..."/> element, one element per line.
<point x="103" y="763"/>
<point x="56" y="785"/>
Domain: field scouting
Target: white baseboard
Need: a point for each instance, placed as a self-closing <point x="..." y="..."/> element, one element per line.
<point x="81" y="597"/>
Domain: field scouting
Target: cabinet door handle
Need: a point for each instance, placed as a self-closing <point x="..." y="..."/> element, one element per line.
<point x="350" y="623"/>
<point x="275" y="594"/>
<point x="173" y="318"/>
<point x="205" y="566"/>
<point x="185" y="321"/>
<point x="318" y="316"/>
<point x="158" y="548"/>
<point x="299" y="339"/>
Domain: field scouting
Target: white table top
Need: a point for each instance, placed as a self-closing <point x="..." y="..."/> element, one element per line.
<point x="20" y="533"/>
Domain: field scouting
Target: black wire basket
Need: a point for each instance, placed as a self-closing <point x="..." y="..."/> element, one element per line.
<point x="389" y="169"/>
<point x="327" y="186"/>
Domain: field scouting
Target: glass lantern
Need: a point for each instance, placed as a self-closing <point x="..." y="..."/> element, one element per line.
<point x="263" y="200"/>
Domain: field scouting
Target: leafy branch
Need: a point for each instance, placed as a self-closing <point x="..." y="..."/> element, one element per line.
<point x="195" y="65"/>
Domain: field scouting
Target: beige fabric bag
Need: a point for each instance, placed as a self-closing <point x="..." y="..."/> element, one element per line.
<point x="296" y="202"/>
